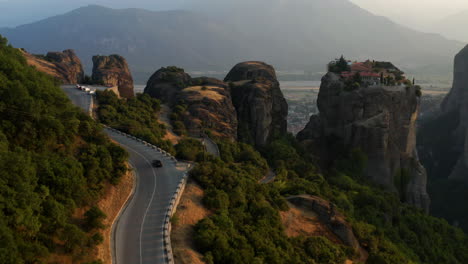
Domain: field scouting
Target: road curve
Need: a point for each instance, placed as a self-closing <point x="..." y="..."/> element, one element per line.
<point x="138" y="233"/>
<point x="211" y="146"/>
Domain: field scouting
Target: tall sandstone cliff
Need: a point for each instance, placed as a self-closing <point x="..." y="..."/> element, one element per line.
<point x="455" y="105"/>
<point x="208" y="101"/>
<point x="64" y="66"/>
<point x="113" y="71"/>
<point x="379" y="121"/>
<point x="261" y="107"/>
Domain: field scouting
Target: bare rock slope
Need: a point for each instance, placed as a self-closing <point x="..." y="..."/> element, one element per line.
<point x="381" y="122"/>
<point x="64" y="66"/>
<point x="207" y="101"/>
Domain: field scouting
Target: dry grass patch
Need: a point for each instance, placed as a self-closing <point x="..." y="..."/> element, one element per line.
<point x="300" y="222"/>
<point x="189" y="212"/>
<point x="199" y="92"/>
<point x="113" y="199"/>
<point x="41" y="65"/>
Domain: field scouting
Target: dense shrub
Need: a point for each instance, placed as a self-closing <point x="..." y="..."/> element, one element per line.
<point x="392" y="232"/>
<point x="188" y="149"/>
<point x="246" y="226"/>
<point x="323" y="251"/>
<point x="93" y="218"/>
<point x="53" y="159"/>
<point x="177" y="119"/>
<point x="136" y="116"/>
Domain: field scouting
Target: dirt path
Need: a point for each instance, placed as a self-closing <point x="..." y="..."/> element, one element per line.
<point x="189" y="212"/>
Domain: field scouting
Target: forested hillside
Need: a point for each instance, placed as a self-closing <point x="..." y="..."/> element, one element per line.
<point x="246" y="226"/>
<point x="53" y="160"/>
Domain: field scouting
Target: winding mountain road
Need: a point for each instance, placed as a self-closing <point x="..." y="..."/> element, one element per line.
<point x="211" y="146"/>
<point x="138" y="234"/>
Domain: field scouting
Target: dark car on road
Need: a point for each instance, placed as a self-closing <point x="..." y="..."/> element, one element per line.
<point x="157" y="163"/>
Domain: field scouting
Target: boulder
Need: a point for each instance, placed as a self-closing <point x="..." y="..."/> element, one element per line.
<point x="113" y="71"/>
<point x="166" y="83"/>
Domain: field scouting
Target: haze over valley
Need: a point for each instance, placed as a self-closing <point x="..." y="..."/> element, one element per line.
<point x="214" y="39"/>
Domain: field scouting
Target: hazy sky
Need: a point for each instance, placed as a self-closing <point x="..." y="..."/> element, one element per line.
<point x="16" y="12"/>
<point x="414" y="13"/>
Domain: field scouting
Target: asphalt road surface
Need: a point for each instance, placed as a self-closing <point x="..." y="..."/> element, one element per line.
<point x="211" y="146"/>
<point x="139" y="230"/>
<point x="138" y="233"/>
<point x="270" y="177"/>
<point x="78" y="97"/>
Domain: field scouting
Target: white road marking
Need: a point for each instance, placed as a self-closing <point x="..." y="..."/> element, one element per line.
<point x="149" y="204"/>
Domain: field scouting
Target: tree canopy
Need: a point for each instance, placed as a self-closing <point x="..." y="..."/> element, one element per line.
<point x="53" y="159"/>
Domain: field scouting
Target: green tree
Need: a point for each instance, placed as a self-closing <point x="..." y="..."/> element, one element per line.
<point x="339" y="66"/>
<point x="188" y="149"/>
<point x="93" y="218"/>
<point x="53" y="159"/>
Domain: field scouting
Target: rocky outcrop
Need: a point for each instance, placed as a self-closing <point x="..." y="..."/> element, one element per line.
<point x="455" y="105"/>
<point x="209" y="106"/>
<point x="166" y="83"/>
<point x="207" y="101"/>
<point x="330" y="216"/>
<point x="379" y="121"/>
<point x="251" y="108"/>
<point x="113" y="71"/>
<point x="261" y="107"/>
<point x="64" y="66"/>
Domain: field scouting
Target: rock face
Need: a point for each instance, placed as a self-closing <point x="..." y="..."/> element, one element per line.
<point x="113" y="71"/>
<point x="379" y="121"/>
<point x="166" y="83"/>
<point x="456" y="104"/>
<point x="208" y="101"/>
<point x="261" y="107"/>
<point x="210" y="106"/>
<point x="65" y="66"/>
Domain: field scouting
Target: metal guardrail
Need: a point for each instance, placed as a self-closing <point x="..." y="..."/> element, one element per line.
<point x="165" y="153"/>
<point x="171" y="209"/>
<point x="175" y="198"/>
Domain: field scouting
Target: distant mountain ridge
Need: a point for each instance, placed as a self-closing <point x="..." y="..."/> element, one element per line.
<point x="294" y="35"/>
<point x="454" y="26"/>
